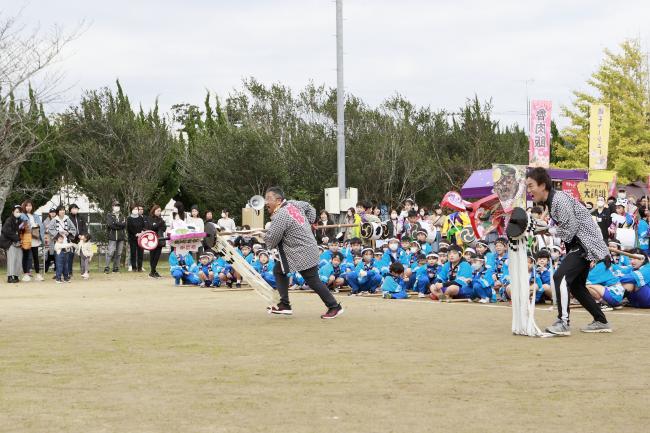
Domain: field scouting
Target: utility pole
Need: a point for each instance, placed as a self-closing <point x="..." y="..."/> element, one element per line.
<point x="340" y="101"/>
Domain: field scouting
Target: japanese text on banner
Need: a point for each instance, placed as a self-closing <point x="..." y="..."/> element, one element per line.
<point x="539" y="149"/>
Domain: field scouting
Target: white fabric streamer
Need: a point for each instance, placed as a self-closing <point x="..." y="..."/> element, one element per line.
<point x="523" y="304"/>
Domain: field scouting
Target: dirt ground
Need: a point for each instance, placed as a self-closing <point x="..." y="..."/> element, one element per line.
<point x="122" y="355"/>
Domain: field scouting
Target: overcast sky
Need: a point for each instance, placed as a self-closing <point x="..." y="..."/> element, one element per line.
<point x="435" y="53"/>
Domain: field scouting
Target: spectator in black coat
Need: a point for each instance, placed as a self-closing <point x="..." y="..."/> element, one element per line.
<point x="324" y="235"/>
<point x="603" y="217"/>
<point x="115" y="225"/>
<point x="10" y="242"/>
<point x="135" y="226"/>
<point x="156" y="224"/>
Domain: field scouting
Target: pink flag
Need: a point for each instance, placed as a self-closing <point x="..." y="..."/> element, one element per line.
<point x="539" y="149"/>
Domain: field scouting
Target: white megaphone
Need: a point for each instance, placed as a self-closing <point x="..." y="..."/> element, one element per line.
<point x="256" y="202"/>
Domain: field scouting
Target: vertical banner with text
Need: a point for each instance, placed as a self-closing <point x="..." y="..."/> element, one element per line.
<point x="539" y="149"/>
<point x="598" y="136"/>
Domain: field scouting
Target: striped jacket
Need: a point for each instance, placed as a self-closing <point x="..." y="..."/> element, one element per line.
<point x="290" y="232"/>
<point x="575" y="224"/>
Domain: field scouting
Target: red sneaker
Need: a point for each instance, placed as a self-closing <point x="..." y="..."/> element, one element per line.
<point x="333" y="312"/>
<point x="280" y="309"/>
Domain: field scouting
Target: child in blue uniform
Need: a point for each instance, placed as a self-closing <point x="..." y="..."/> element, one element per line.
<point x="366" y="276"/>
<point x="621" y="265"/>
<point x="206" y="269"/>
<point x="264" y="266"/>
<point x="637" y="282"/>
<point x="393" y="286"/>
<point x="499" y="266"/>
<point x="481" y="280"/>
<point x="394" y="254"/>
<point x="354" y="248"/>
<point x="183" y="269"/>
<point x="455" y="277"/>
<point x="483" y="250"/>
<point x="544" y="272"/>
<point x="425" y="247"/>
<point x="604" y="286"/>
<point x="426" y="279"/>
<point x="419" y="272"/>
<point x="333" y="274"/>
<point x="224" y="273"/>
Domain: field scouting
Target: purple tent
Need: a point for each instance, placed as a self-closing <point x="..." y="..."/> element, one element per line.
<point x="480" y="182"/>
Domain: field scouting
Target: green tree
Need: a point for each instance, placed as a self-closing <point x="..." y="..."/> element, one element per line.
<point x="622" y="82"/>
<point x="116" y="153"/>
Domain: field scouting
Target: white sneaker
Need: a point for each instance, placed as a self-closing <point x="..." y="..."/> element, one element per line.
<point x="85" y="276"/>
<point x="27" y="278"/>
<point x="38" y="277"/>
<point x="421" y="295"/>
<point x="484" y="301"/>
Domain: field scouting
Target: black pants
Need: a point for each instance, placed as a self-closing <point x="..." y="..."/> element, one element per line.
<point x="572" y="276"/>
<point x="49" y="261"/>
<point x="31" y="261"/>
<point x="137" y="254"/>
<point x="154" y="256"/>
<point x="313" y="281"/>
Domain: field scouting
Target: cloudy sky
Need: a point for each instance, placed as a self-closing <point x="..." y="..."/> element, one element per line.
<point x="435" y="53"/>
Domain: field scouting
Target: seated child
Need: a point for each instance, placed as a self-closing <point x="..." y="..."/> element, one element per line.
<point x="224" y="273"/>
<point x="425" y="247"/>
<point x="354" y="248"/>
<point x="393" y="286"/>
<point x="534" y="281"/>
<point x="469" y="254"/>
<point x="483" y="250"/>
<point x="183" y="269"/>
<point x="481" y="280"/>
<point x="333" y="273"/>
<point x="419" y="272"/>
<point x="499" y="267"/>
<point x="604" y="286"/>
<point x="394" y="254"/>
<point x="637" y="282"/>
<point x="454" y="278"/>
<point x="621" y="265"/>
<point x="544" y="272"/>
<point x="206" y="269"/>
<point x="264" y="266"/>
<point x="427" y="277"/>
<point x="366" y="276"/>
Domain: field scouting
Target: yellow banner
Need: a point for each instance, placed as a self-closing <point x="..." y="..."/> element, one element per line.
<point x="598" y="136"/>
<point x="590" y="191"/>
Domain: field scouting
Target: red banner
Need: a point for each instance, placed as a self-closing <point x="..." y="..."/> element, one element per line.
<point x="571" y="188"/>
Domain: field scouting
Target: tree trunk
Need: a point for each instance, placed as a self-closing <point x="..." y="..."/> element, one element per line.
<point x="7" y="178"/>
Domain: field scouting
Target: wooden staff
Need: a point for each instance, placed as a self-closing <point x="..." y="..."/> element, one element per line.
<point x="625" y="253"/>
<point x="257" y="231"/>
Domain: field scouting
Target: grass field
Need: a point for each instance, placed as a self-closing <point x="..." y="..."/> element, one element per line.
<point x="118" y="354"/>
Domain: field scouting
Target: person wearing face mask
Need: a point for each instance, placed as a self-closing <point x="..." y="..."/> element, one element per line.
<point x="394" y="224"/>
<point x="226" y="223"/>
<point x="323" y="236"/>
<point x="10" y="242"/>
<point x="603" y="217"/>
<point x="392" y="255"/>
<point x="135" y="226"/>
<point x="115" y="224"/>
